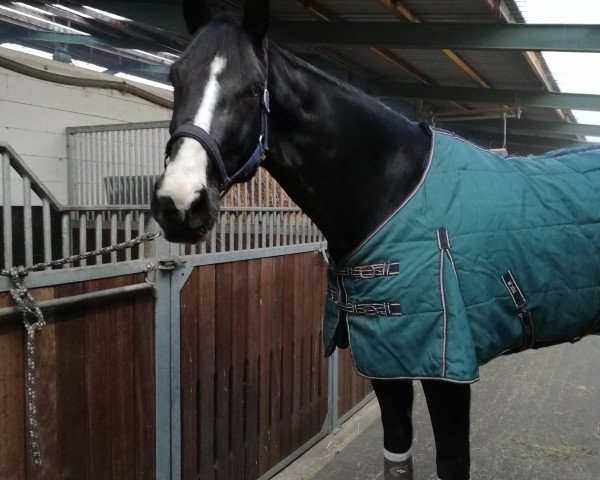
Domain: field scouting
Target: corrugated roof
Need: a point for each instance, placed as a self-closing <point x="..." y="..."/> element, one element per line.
<point x="498" y="69"/>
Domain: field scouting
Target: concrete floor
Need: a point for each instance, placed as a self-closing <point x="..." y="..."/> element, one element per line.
<point x="535" y="416"/>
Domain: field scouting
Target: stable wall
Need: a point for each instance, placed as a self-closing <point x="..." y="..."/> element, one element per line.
<point x="34" y="115"/>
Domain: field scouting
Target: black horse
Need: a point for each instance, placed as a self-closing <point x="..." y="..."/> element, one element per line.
<point x="346" y="159"/>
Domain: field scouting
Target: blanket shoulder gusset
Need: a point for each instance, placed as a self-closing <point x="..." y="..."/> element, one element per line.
<point x="535" y="217"/>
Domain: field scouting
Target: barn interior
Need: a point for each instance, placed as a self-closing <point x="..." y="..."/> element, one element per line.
<point x="206" y="361"/>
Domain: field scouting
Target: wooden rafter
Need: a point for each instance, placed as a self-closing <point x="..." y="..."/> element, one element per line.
<point x="321" y="13"/>
<point x="500" y="8"/>
<point x="404" y="13"/>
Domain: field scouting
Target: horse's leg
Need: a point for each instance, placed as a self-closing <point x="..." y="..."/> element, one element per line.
<point x="449" y="405"/>
<point x="395" y="401"/>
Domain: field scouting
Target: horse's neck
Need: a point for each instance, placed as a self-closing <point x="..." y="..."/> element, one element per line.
<point x="343" y="157"/>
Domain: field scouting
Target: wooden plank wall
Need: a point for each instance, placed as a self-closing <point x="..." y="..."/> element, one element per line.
<point x="254" y="378"/>
<point x="95" y="387"/>
<point x="352" y="388"/>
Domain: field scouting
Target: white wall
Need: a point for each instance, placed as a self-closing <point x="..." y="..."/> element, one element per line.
<point x="34" y="115"/>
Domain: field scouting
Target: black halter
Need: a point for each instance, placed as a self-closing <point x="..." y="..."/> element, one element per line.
<point x="246" y="171"/>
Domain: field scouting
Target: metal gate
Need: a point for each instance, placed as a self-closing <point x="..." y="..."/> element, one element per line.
<point x="219" y="374"/>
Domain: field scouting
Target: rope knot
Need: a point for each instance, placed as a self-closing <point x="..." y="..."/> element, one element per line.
<point x="18" y="272"/>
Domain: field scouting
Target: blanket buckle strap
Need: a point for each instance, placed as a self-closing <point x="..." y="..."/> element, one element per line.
<point x="523" y="313"/>
<point x="384" y="269"/>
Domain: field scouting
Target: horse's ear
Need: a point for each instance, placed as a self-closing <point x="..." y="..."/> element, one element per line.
<point x="196" y="14"/>
<point x="256" y="18"/>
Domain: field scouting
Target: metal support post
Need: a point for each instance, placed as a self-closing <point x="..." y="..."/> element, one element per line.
<point x="163" y="358"/>
<point x="332" y="386"/>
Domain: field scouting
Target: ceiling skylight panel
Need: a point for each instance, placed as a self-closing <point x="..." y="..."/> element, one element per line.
<point x="574" y="72"/>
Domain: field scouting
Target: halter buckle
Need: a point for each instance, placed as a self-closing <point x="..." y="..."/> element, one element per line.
<point x="267" y="100"/>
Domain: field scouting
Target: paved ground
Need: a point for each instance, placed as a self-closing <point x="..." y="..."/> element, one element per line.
<point x="535" y="416"/>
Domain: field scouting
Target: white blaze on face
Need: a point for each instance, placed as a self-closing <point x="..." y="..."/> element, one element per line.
<point x="185" y="175"/>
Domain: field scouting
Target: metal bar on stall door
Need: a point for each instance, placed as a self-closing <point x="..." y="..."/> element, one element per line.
<point x="304" y="229"/>
<point x="134" y="165"/>
<point x="93" y="165"/>
<point x="7" y="212"/>
<point x="231" y="223"/>
<point x="47" y="226"/>
<point x="240" y="231"/>
<point x="213" y="239"/>
<point x="285" y="217"/>
<point x="296" y="228"/>
<point x="70" y="169"/>
<point x="144" y="175"/>
<point x="128" y="234"/>
<point x="107" y="167"/>
<point x="86" y="170"/>
<point x="98" y="159"/>
<point x="98" y="234"/>
<point x="82" y="236"/>
<point x="263" y="241"/>
<point x="112" y="149"/>
<point x="66" y="237"/>
<point x="222" y="232"/>
<point x="119" y="169"/>
<point x="271" y="217"/>
<point x="127" y="192"/>
<point x="27" y="221"/>
<point x="141" y="231"/>
<point x="249" y="220"/>
<point x="136" y="162"/>
<point x="278" y="229"/>
<point x="113" y="235"/>
<point x="253" y="190"/>
<point x="73" y="156"/>
<point x="131" y="177"/>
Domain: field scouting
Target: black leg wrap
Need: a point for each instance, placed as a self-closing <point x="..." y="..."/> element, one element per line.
<point x="449" y="406"/>
<point x="395" y="401"/>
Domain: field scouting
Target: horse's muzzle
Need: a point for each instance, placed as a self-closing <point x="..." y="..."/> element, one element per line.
<point x="183" y="226"/>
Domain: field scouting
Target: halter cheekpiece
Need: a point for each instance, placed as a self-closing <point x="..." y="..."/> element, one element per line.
<point x="205" y="139"/>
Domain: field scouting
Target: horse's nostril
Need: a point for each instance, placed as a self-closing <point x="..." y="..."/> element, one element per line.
<point x="165" y="212"/>
<point x="199" y="210"/>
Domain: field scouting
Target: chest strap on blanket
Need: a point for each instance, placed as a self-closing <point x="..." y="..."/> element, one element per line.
<point x="385" y="269"/>
<point x="523" y="313"/>
<point x="378" y="309"/>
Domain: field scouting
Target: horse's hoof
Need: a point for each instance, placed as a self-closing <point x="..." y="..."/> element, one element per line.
<point x="398" y="470"/>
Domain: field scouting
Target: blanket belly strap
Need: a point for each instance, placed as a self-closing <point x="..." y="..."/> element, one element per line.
<point x="523" y="313"/>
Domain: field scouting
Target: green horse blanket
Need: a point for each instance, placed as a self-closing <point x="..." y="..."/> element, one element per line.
<point x="489" y="255"/>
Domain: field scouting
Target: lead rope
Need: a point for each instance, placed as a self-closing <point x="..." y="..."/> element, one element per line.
<point x="33" y="321"/>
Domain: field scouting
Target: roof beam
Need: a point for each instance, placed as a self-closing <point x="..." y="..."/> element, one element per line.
<point x="534" y="59"/>
<point x="401" y="11"/>
<point x="531" y="126"/>
<point x="323" y="14"/>
<point x="575" y="101"/>
<point x="466" y="36"/>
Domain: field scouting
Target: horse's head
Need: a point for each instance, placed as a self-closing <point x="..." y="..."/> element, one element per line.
<point x="219" y="118"/>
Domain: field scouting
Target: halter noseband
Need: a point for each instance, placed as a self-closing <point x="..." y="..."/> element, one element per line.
<point x="205" y="139"/>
